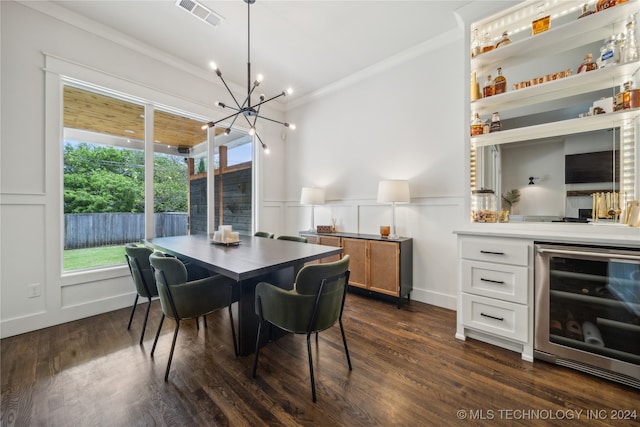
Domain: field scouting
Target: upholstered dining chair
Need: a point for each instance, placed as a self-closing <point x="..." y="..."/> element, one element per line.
<point x="182" y="300"/>
<point x="299" y="239"/>
<point x="264" y="234"/>
<point x="138" y="260"/>
<point x="314" y="305"/>
<point x="293" y="238"/>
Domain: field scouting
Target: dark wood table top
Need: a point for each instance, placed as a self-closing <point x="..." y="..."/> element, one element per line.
<point x="253" y="257"/>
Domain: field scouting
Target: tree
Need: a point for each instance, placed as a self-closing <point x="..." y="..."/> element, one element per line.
<point x="108" y="179"/>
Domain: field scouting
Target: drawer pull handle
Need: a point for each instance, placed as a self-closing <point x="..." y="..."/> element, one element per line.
<point x="492" y="317"/>
<point x="499" y="282"/>
<point x="491" y="253"/>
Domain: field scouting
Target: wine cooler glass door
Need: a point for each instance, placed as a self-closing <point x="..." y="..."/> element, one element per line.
<point x="588" y="306"/>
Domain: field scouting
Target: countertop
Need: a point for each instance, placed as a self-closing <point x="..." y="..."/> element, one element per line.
<point x="606" y="234"/>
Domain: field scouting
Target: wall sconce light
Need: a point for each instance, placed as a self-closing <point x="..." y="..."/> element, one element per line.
<point x="312" y="196"/>
<point x="393" y="191"/>
<point x="531" y="178"/>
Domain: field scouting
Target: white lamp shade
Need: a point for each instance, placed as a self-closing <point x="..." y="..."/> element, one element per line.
<point x="393" y="191"/>
<point x="312" y="196"/>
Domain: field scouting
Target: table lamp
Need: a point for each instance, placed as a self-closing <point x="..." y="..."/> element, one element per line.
<point x="312" y="196"/>
<point x="393" y="191"/>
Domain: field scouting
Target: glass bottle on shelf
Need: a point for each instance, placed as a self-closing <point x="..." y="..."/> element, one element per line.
<point x="499" y="83"/>
<point x="542" y="22"/>
<point x="609" y="54"/>
<point x="626" y="95"/>
<point x="487" y="89"/>
<point x="604" y="4"/>
<point x="487" y="44"/>
<point x="504" y="40"/>
<point x="585" y="11"/>
<point x="496" y="124"/>
<point x="587" y="64"/>
<point x="475" y="88"/>
<point x="476" y="125"/>
<point x="630" y="47"/>
<point x="476" y="45"/>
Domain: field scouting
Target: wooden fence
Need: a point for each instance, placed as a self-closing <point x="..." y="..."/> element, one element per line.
<point x="104" y="229"/>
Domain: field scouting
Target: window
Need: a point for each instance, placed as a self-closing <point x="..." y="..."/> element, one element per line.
<point x="104" y="176"/>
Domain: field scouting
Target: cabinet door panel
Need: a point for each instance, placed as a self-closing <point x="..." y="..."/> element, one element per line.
<point x="330" y="241"/>
<point x="357" y="250"/>
<point x="384" y="275"/>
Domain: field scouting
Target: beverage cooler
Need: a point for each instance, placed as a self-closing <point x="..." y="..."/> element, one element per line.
<point x="587" y="309"/>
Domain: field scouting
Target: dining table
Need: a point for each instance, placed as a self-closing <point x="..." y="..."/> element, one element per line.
<point x="249" y="261"/>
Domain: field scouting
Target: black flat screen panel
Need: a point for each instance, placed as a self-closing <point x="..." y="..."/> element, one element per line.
<point x="591" y="167"/>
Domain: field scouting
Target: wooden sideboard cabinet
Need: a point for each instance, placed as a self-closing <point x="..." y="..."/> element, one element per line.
<point x="378" y="265"/>
<point x="320" y="239"/>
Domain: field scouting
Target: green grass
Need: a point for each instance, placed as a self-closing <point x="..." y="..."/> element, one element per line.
<point x="77" y="259"/>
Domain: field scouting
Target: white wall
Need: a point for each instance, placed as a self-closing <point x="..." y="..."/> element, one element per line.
<point x="401" y="120"/>
<point x="37" y="51"/>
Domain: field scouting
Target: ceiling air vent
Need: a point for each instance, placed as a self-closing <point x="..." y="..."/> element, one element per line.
<point x="201" y="12"/>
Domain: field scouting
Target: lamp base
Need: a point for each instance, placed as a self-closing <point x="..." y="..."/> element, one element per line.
<point x="393" y="236"/>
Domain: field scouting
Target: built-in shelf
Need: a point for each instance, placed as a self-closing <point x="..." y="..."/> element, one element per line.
<point x="608" y="302"/>
<point x="605" y="351"/>
<point x="576" y="84"/>
<point x="595" y="27"/>
<point x="559" y="128"/>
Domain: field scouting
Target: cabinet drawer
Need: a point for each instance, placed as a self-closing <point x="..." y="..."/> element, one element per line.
<point x="505" y="282"/>
<point x="501" y="318"/>
<point x="504" y="251"/>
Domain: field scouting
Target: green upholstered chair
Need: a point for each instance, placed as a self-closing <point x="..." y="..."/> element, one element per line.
<point x="314" y="305"/>
<point x="182" y="300"/>
<point x="299" y="239"/>
<point x="293" y="238"/>
<point x="143" y="279"/>
<point x="264" y="234"/>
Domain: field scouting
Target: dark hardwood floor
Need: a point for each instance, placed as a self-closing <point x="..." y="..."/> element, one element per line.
<point x="408" y="370"/>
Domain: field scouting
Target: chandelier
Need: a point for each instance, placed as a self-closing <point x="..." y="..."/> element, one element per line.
<point x="250" y="112"/>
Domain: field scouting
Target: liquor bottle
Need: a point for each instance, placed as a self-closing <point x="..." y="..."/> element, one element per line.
<point x="587" y="64"/>
<point x="499" y="83"/>
<point x="585" y="11"/>
<point x="475" y="88"/>
<point x="496" y="124"/>
<point x="604" y="4"/>
<point x="476" y="125"/>
<point x="630" y="47"/>
<point x="487" y="89"/>
<point x="609" y="53"/>
<point x="476" y="45"/>
<point x="487" y="44"/>
<point x="504" y="40"/>
<point x="542" y="22"/>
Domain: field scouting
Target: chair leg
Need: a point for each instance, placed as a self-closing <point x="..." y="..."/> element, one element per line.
<point x="344" y="341"/>
<point x="144" y="325"/>
<point x="155" y="341"/>
<point x="313" y="382"/>
<point x="255" y="360"/>
<point x="197" y="324"/>
<point x="233" y="332"/>
<point x="173" y="345"/>
<point x="204" y="319"/>
<point x="133" y="310"/>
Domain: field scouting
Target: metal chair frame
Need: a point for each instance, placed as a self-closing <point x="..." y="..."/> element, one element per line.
<point x="177" y="318"/>
<point x="135" y="302"/>
<point x="310" y="330"/>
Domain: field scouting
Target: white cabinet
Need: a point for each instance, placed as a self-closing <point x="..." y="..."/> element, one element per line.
<point x="495" y="298"/>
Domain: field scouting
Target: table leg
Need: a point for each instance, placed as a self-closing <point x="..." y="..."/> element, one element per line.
<point x="247" y="318"/>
